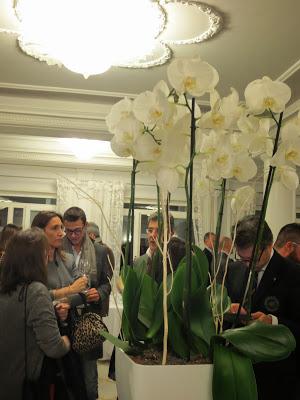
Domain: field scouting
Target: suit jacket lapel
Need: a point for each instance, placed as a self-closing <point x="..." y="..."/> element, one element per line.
<point x="268" y="279"/>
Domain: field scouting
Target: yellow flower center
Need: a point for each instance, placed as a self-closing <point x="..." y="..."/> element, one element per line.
<point x="128" y="136"/>
<point x="222" y="160"/>
<point x="291" y="155"/>
<point x="125" y="114"/>
<point x="237" y="171"/>
<point x="189" y="83"/>
<point x="218" y="119"/>
<point x="269" y="102"/>
<point x="156" y="114"/>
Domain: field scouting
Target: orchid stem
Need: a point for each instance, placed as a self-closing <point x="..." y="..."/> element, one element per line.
<point x="130" y="224"/>
<point x="189" y="233"/>
<point x="256" y="249"/>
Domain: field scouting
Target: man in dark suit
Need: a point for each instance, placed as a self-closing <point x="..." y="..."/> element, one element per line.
<point x="209" y="242"/>
<point x="288" y="242"/>
<point x="275" y="300"/>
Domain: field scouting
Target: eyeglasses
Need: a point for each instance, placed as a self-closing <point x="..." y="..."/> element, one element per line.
<point x="248" y="259"/>
<point x="152" y="230"/>
<point x="76" y="231"/>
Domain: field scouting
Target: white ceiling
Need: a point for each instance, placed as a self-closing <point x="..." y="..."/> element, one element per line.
<point x="259" y="37"/>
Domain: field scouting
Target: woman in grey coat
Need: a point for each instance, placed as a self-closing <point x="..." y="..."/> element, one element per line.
<point x="24" y="264"/>
<point x="64" y="280"/>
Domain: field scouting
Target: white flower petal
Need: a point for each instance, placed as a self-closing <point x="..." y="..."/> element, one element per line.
<point x="167" y="179"/>
<point x="243" y="201"/>
<point x="287" y="176"/>
<point x="263" y="94"/>
<point x="192" y="76"/>
<point x="119" y="148"/>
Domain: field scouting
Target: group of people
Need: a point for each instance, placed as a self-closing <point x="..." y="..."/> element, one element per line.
<point x="43" y="273"/>
<point x="276" y="297"/>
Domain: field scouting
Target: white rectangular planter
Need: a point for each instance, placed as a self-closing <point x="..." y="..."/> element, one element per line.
<point x="169" y="382"/>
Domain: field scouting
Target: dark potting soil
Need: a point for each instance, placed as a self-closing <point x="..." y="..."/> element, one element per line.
<point x="154" y="357"/>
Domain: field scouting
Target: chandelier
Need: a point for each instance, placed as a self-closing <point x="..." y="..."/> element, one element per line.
<point x="90" y="36"/>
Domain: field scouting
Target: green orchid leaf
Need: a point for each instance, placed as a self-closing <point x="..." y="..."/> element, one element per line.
<point x="178" y="285"/>
<point x="262" y="342"/>
<point x="199" y="346"/>
<point x="177" y="337"/>
<point x="220" y="301"/>
<point x="157" y="321"/>
<point x="147" y="300"/>
<point x="200" y="265"/>
<point x="121" y="344"/>
<point x="233" y="376"/>
<point x="201" y="319"/>
<point x="131" y="300"/>
<point x="158" y="318"/>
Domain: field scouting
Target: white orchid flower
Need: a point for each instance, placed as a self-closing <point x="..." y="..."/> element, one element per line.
<point x="288" y="153"/>
<point x="145" y="148"/>
<point x="163" y="87"/>
<point x="239" y="142"/>
<point x="167" y="179"/>
<point x="175" y="144"/>
<point x="210" y="143"/>
<point x="152" y="108"/>
<point x="261" y="141"/>
<point x="287" y="176"/>
<point x="128" y="130"/>
<point x="119" y="148"/>
<point x="243" y="167"/>
<point x="219" y="164"/>
<point x="192" y="76"/>
<point x="224" y="113"/>
<point x="263" y="94"/>
<point x="203" y="185"/>
<point x="291" y="130"/>
<point x="243" y="201"/>
<point x="118" y="113"/>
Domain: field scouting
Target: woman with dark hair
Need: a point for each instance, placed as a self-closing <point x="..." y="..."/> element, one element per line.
<point x="64" y="284"/>
<point x="64" y="280"/>
<point x="8" y="231"/>
<point x="25" y="302"/>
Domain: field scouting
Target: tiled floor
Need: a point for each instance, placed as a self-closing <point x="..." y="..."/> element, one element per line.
<point x="107" y="387"/>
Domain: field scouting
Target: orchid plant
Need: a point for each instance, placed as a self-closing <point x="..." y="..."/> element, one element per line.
<point x="166" y="134"/>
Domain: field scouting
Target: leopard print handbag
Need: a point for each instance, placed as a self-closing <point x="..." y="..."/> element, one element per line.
<point x="86" y="334"/>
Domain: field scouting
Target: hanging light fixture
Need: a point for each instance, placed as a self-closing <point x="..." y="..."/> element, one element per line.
<point x="90" y="36"/>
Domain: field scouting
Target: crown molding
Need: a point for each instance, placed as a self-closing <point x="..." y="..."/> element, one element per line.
<point x="62" y="91"/>
<point x="289" y="72"/>
<point x="48" y="151"/>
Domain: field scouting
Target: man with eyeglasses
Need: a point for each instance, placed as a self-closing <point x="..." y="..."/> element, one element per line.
<point x="276" y="300"/>
<point x="78" y="243"/>
<point x="288" y="242"/>
<point x="176" y="248"/>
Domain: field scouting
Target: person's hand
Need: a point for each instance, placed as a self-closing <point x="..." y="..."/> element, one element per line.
<point x="79" y="285"/>
<point x="260" y="316"/>
<point x="234" y="309"/>
<point x="62" y="310"/>
<point x="66" y="342"/>
<point x="92" y="295"/>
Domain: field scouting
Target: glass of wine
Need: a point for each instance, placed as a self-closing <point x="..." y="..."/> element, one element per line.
<point x="84" y="270"/>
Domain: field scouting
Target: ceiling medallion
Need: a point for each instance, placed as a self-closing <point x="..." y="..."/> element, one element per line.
<point x="90" y="36"/>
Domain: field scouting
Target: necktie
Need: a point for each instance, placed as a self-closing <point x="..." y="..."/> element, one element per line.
<point x="255" y="282"/>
